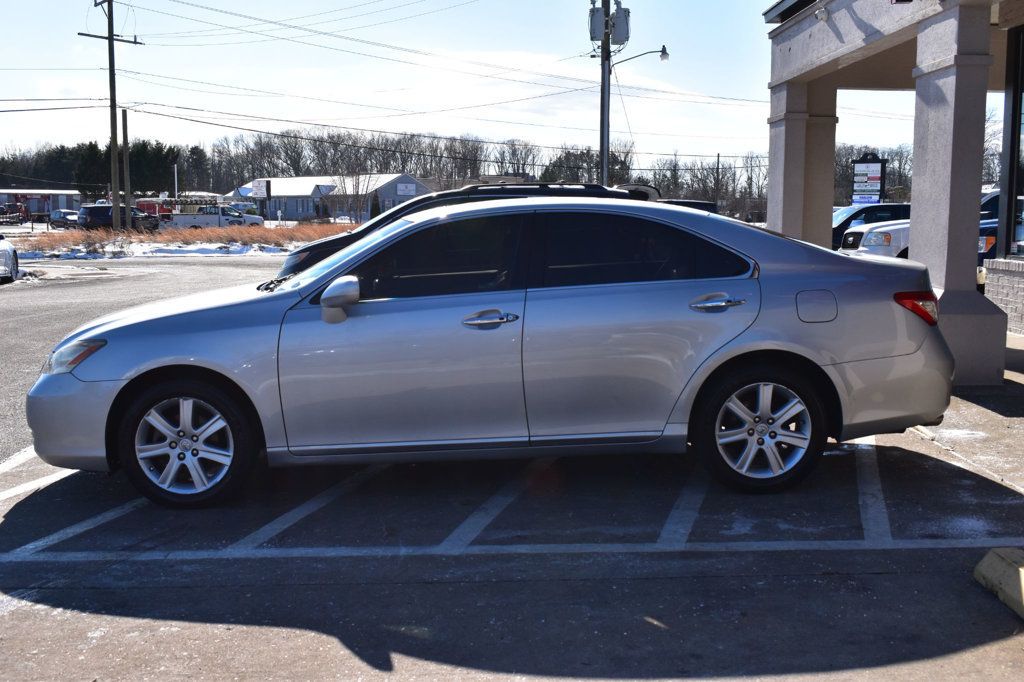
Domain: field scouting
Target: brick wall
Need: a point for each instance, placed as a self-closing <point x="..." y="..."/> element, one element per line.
<point x="1005" y="287"/>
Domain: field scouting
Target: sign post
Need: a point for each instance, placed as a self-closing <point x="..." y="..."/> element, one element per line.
<point x="869" y="179"/>
<point x="261" y="191"/>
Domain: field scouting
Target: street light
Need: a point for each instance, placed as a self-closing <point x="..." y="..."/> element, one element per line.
<point x="663" y="52"/>
<point x="606" y="73"/>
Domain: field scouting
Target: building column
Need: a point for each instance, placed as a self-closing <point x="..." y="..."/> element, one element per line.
<point x="801" y="165"/>
<point x="949" y="125"/>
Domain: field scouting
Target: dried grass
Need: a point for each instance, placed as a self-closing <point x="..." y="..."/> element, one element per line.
<point x="98" y="241"/>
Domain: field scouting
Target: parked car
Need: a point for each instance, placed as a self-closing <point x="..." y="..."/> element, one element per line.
<point x="857" y="215"/>
<point x="8" y="261"/>
<point x="893" y="238"/>
<point x="308" y="255"/>
<point x="210" y="216"/>
<point x="63" y="218"/>
<point x="697" y="204"/>
<point x="651" y="328"/>
<point x="98" y="216"/>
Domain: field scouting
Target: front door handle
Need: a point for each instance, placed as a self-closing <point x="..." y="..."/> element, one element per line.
<point x="717" y="304"/>
<point x="489" y="319"/>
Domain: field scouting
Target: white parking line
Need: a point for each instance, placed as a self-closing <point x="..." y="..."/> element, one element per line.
<point x="475" y="523"/>
<point x="261" y="553"/>
<point x="78" y="528"/>
<point x="17" y="459"/>
<point x="290" y="518"/>
<point x="35" y="484"/>
<point x="684" y="512"/>
<point x="874" y="516"/>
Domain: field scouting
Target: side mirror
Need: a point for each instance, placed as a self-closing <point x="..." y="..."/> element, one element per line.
<point x="342" y="292"/>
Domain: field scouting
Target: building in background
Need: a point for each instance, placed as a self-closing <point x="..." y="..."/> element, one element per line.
<point x="328" y="196"/>
<point x="42" y="200"/>
<point x="950" y="53"/>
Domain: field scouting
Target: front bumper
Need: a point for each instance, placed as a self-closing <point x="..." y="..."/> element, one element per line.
<point x="68" y="418"/>
<point x="889" y="395"/>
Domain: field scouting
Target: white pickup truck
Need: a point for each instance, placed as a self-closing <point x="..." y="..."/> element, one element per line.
<point x="210" y="216"/>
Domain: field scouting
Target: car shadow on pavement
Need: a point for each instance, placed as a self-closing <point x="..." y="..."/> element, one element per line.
<point x="617" y="615"/>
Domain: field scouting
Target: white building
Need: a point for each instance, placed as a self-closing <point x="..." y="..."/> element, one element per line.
<point x="321" y="196"/>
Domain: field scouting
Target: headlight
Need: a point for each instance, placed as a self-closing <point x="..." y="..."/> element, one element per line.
<point x="877" y="239"/>
<point x="65" y="359"/>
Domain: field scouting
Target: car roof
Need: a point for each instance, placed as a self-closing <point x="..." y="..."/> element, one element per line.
<point x="650" y="208"/>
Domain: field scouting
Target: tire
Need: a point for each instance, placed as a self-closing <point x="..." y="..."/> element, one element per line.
<point x="186" y="477"/>
<point x="738" y="448"/>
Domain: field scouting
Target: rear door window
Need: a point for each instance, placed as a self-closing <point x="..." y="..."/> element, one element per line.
<point x="595" y="248"/>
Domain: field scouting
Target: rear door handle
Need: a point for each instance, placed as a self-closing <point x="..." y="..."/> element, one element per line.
<point x="717" y="304"/>
<point x="489" y="319"/>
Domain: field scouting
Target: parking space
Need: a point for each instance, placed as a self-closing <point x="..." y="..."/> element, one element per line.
<point x="613" y="566"/>
<point x="860" y="498"/>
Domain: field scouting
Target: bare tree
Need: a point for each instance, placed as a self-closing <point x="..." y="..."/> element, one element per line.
<point x="516" y="157"/>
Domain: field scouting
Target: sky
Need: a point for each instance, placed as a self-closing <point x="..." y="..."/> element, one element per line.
<point x="493" y="69"/>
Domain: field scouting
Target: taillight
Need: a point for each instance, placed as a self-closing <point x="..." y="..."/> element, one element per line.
<point x="985" y="244"/>
<point x="921" y="303"/>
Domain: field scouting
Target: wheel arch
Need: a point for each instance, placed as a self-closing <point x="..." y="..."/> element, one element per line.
<point x="779" y="358"/>
<point x="143" y="381"/>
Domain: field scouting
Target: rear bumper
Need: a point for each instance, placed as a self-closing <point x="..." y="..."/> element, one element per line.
<point x="68" y="418"/>
<point x="890" y="395"/>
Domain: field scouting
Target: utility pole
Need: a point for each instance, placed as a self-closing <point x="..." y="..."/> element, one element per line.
<point x="128" y="202"/>
<point x="606" y="86"/>
<point x="718" y="176"/>
<point x="111" y="38"/>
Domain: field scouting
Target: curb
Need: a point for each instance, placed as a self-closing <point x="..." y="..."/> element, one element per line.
<point x="1002" y="572"/>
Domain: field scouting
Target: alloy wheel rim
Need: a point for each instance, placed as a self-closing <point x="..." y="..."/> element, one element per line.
<point x="763" y="430"/>
<point x="184" y="445"/>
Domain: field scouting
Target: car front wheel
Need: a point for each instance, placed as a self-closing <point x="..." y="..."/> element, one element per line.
<point x="186" y="444"/>
<point x="760" y="430"/>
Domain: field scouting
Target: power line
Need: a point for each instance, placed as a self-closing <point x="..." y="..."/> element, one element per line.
<point x="350" y="28"/>
<point x="52" y="182"/>
<point x="247" y="92"/>
<point x="353" y="145"/>
<point x="53" y="99"/>
<point x="18" y="111"/>
<point x="301" y="16"/>
<point x="240" y="115"/>
<point x="398" y="48"/>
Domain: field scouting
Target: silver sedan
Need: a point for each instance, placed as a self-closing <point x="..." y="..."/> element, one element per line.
<point x="8" y="261"/>
<point x="509" y="328"/>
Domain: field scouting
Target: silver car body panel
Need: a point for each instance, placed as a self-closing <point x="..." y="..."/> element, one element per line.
<point x="598" y="373"/>
<point x="6" y="258"/>
<point x="232" y="332"/>
<point x="68" y="419"/>
<point x="403" y="370"/>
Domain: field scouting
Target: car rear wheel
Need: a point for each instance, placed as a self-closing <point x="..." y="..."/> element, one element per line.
<point x="760" y="430"/>
<point x="186" y="444"/>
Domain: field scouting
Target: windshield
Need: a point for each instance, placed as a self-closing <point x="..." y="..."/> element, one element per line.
<point x="325" y="266"/>
<point x="842" y="214"/>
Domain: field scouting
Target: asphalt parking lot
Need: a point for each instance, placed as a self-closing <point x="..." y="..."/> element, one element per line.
<point x="610" y="567"/>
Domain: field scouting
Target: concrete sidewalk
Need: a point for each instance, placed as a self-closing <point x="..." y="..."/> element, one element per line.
<point x="984" y="426"/>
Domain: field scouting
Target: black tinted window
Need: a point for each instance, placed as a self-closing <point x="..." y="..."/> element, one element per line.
<point x="460" y="257"/>
<point x="591" y="248"/>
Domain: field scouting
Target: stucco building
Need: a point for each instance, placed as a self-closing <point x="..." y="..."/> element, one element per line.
<point x="950" y="53"/>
